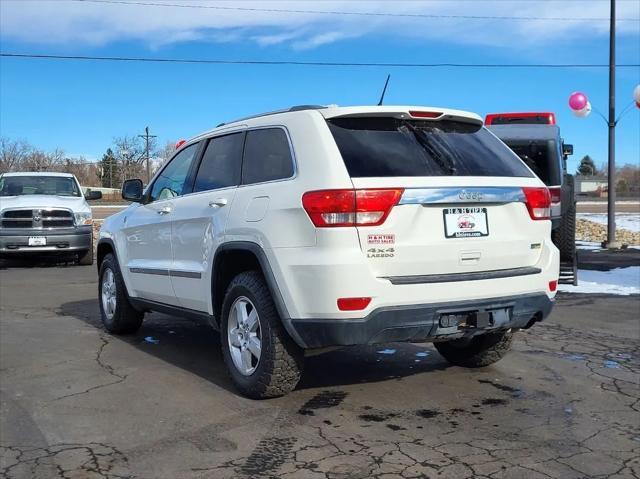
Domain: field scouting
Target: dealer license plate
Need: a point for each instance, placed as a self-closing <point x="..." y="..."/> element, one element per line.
<point x="465" y="222"/>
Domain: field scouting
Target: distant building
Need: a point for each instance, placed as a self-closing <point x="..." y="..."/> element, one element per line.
<point x="591" y="185"/>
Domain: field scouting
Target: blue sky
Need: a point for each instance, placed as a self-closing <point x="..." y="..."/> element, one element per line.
<point x="81" y="106"/>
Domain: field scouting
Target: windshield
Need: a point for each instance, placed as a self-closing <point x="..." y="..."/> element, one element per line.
<point x="384" y="147"/>
<point x="38" y="185"/>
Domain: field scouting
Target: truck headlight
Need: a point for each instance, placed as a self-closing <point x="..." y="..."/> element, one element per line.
<point x="83" y="218"/>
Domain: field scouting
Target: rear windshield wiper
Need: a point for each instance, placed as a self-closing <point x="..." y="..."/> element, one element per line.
<point x="444" y="163"/>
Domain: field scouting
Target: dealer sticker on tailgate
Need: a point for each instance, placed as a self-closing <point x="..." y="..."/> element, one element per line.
<point x="465" y="222"/>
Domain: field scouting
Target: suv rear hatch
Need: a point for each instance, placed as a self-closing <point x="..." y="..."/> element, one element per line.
<point x="452" y="197"/>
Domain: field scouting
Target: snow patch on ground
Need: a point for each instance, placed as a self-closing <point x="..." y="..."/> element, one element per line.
<point x="588" y="245"/>
<point x="619" y="281"/>
<point x="624" y="221"/>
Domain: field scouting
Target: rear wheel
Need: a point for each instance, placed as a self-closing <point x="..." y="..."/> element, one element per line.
<point x="478" y="351"/>
<point x="564" y="236"/>
<point x="262" y="360"/>
<point x="118" y="315"/>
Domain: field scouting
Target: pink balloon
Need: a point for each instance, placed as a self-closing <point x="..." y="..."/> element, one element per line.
<point x="577" y="101"/>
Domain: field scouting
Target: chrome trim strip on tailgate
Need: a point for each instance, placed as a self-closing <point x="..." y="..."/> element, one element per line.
<point x="488" y="194"/>
<point x="454" y="277"/>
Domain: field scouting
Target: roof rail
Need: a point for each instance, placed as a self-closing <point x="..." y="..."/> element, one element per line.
<point x="275" y="112"/>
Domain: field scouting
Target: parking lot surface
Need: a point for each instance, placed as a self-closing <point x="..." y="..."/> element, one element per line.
<point x="79" y="403"/>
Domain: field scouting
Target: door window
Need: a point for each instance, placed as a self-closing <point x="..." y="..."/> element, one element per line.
<point x="267" y="156"/>
<point x="221" y="163"/>
<point x="171" y="181"/>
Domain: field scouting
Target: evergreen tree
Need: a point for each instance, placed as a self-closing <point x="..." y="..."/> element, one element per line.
<point x="587" y="166"/>
<point x="110" y="170"/>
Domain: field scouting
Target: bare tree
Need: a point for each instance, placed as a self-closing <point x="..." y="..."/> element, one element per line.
<point x="13" y="154"/>
<point x="38" y="160"/>
<point x="130" y="153"/>
<point x="162" y="155"/>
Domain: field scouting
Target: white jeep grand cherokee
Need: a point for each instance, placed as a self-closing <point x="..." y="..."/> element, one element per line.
<point x="318" y="227"/>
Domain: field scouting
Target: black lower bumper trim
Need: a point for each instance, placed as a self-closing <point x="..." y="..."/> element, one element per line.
<point x="416" y="322"/>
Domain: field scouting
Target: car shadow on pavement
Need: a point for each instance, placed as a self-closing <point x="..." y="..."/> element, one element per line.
<point x="38" y="261"/>
<point x="195" y="347"/>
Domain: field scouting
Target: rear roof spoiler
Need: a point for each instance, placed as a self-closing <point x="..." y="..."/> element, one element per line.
<point x="406" y="113"/>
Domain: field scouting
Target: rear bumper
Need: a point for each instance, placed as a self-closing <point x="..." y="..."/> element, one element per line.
<point x="68" y="239"/>
<point x="416" y="323"/>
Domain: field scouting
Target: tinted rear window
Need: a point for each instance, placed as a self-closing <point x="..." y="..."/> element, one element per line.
<point x="267" y="156"/>
<point x="383" y="147"/>
<point x="221" y="163"/>
<point x="542" y="156"/>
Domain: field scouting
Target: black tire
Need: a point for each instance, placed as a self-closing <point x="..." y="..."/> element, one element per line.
<point x="125" y="319"/>
<point x="478" y="351"/>
<point x="281" y="361"/>
<point x="85" y="258"/>
<point x="564" y="236"/>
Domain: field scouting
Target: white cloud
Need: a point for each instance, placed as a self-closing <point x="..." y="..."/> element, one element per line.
<point x="47" y="22"/>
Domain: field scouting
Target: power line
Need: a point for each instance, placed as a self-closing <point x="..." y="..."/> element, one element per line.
<point x="312" y="63"/>
<point x="351" y="13"/>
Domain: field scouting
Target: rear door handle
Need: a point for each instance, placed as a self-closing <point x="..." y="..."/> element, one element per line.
<point x="164" y="211"/>
<point x="219" y="203"/>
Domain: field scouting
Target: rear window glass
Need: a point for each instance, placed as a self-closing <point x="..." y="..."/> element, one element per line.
<point x="220" y="166"/>
<point x="382" y="147"/>
<point x="267" y="156"/>
<point x="543" y="157"/>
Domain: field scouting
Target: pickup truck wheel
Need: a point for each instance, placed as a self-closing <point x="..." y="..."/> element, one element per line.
<point x="262" y="360"/>
<point x="478" y="351"/>
<point x="85" y="258"/>
<point x="118" y="316"/>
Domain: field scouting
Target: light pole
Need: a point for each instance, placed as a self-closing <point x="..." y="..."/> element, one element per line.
<point x="582" y="108"/>
<point x="611" y="197"/>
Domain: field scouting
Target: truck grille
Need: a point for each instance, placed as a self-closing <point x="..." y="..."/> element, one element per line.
<point x="37" y="219"/>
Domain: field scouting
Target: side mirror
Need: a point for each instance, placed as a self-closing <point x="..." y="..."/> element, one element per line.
<point x="132" y="190"/>
<point x="93" y="195"/>
<point x="567" y="149"/>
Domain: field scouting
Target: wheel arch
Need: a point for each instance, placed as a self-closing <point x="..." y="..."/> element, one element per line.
<point x="105" y="246"/>
<point x="231" y="259"/>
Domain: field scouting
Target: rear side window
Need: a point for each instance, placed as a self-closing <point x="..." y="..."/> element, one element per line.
<point x="384" y="147"/>
<point x="542" y="156"/>
<point x="221" y="163"/>
<point x="267" y="156"/>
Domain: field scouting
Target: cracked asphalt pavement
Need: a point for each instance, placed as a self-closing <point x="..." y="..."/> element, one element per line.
<point x="77" y="403"/>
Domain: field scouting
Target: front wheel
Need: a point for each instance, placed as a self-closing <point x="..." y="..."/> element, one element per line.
<point x="262" y="360"/>
<point x="118" y="315"/>
<point x="476" y="352"/>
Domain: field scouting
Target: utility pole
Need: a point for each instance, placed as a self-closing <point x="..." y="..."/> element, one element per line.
<point x="611" y="199"/>
<point x="146" y="137"/>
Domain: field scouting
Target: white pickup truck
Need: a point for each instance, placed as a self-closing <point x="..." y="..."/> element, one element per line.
<point x="45" y="213"/>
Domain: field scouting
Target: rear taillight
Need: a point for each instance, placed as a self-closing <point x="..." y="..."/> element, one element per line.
<point x="553" y="285"/>
<point x="538" y="202"/>
<point x="367" y="207"/>
<point x="556" y="194"/>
